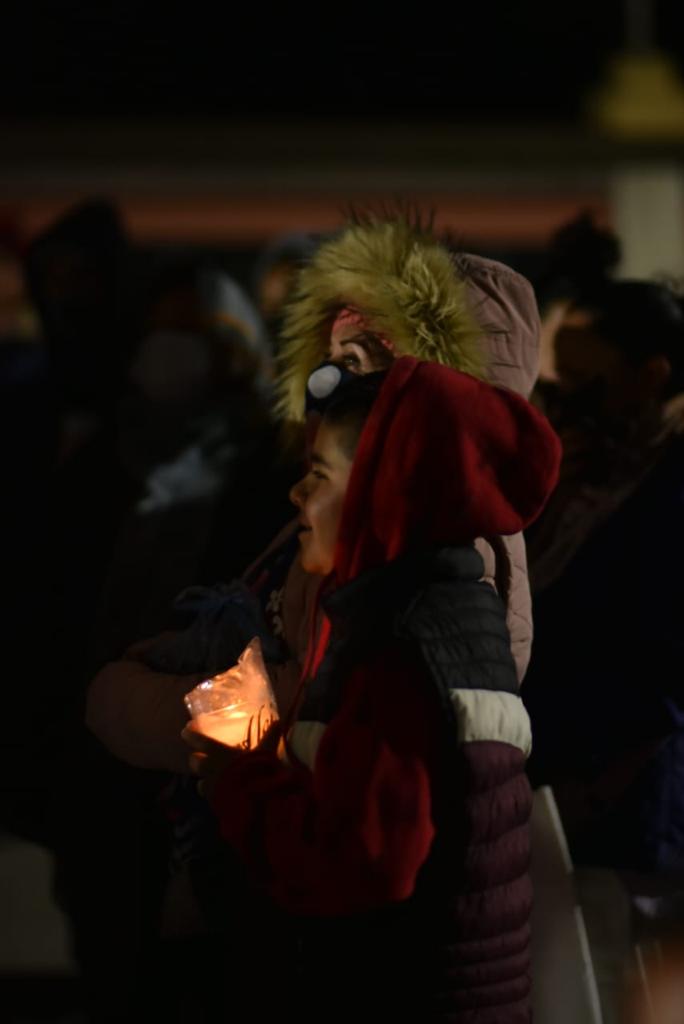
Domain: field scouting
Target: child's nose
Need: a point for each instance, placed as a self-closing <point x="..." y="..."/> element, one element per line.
<point x="297" y="494"/>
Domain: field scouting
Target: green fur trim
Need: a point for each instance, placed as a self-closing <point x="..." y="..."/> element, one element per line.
<point x="406" y="285"/>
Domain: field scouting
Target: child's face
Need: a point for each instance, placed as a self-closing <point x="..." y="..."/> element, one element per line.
<point x="357" y="350"/>
<point x="319" y="496"/>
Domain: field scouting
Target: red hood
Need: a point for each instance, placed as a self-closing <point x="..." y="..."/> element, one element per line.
<point x="444" y="458"/>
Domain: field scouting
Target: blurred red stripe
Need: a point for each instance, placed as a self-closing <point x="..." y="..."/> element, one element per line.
<point x="243" y="219"/>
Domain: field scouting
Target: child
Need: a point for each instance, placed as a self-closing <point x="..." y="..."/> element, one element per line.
<point x="392" y="825"/>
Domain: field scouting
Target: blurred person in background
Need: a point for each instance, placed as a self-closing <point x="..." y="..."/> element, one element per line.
<point x="66" y="492"/>
<point x="191" y="422"/>
<point x="580" y="258"/>
<point x="195" y="413"/>
<point x="79" y="273"/>
<point x="28" y="442"/>
<point x="159" y="410"/>
<point x="275" y="275"/>
<point x="80" y="280"/>
<point x="80" y="276"/>
<point x="604" y="688"/>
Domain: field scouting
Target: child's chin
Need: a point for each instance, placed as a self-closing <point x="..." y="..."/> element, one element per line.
<point x="309" y="564"/>
<point x="313" y="565"/>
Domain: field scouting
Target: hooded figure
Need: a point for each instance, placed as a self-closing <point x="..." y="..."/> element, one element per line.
<point x="419" y="299"/>
<point x="460" y="310"/>
<point x="393" y="822"/>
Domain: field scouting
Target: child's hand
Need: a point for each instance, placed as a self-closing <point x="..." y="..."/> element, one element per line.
<point x="210" y="758"/>
<point x="271" y="738"/>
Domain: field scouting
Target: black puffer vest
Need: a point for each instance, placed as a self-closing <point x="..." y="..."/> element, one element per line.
<point x="457" y="950"/>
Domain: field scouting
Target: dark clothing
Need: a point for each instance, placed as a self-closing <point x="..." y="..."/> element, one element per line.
<point x="424" y="894"/>
<point x="418" y="804"/>
<point x="465" y="928"/>
<point x="605" y="688"/>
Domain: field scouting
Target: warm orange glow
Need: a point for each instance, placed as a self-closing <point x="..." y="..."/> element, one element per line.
<point x="236" y="707"/>
<point x="242" y="725"/>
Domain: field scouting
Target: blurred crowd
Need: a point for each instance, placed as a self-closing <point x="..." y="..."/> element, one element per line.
<point x="147" y="466"/>
<point x="142" y="455"/>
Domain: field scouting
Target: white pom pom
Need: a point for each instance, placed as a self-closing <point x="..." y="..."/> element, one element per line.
<point x="323" y="381"/>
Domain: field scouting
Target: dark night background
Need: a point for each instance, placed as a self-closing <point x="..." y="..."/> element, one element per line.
<point x="520" y="59"/>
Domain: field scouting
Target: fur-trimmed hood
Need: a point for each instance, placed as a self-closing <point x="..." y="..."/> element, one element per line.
<point x="405" y="284"/>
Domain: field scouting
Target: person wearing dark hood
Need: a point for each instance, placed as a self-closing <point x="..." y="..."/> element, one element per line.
<point x="391" y="822"/>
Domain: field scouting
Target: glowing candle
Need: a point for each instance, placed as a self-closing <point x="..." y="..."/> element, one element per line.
<point x="240" y="725"/>
<point x="237" y="706"/>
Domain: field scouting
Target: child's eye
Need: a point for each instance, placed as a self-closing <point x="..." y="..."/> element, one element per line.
<point x="351" y="362"/>
<point x="317" y="473"/>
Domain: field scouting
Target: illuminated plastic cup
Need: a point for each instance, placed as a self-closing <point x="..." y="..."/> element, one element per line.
<point x="238" y="706"/>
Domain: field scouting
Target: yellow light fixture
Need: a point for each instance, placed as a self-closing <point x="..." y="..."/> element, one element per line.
<point x="642" y="98"/>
